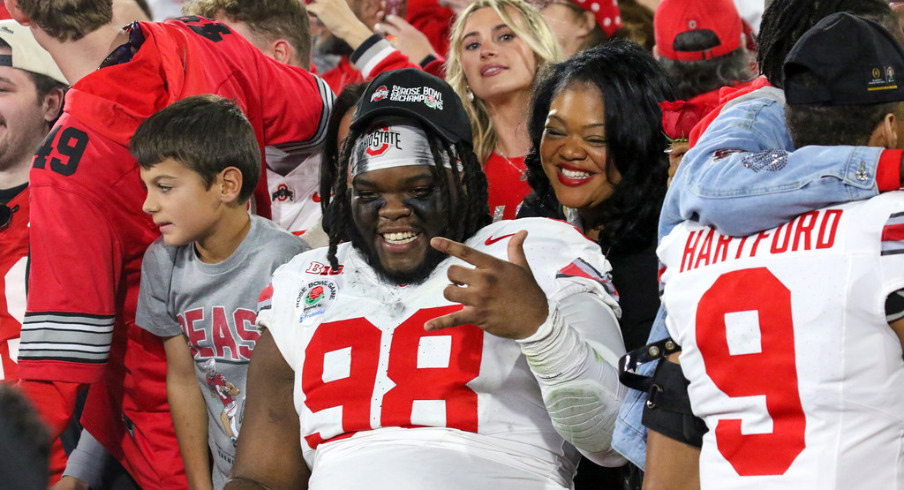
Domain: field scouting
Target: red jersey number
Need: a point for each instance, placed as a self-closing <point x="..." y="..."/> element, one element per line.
<point x="771" y="372"/>
<point x="354" y="392"/>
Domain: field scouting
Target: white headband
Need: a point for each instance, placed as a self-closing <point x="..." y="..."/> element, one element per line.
<point x="392" y="146"/>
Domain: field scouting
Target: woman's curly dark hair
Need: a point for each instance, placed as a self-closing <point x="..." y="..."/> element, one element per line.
<point x="632" y="84"/>
<point x="464" y="216"/>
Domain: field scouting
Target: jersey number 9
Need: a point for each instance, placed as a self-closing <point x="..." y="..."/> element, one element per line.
<point x="771" y="372"/>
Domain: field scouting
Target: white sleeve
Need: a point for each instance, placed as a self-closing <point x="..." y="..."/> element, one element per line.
<point x="574" y="355"/>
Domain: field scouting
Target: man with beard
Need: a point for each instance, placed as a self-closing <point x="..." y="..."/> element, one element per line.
<point x="411" y="368"/>
<point x="31" y="98"/>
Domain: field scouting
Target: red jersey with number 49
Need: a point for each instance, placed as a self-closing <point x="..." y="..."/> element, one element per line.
<point x="791" y="362"/>
<point x="89" y="234"/>
<point x="385" y="404"/>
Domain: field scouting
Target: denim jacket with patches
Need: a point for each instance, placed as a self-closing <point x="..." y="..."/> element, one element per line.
<point x="744" y="176"/>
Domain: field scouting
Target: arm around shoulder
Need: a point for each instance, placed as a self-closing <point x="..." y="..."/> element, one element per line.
<point x="745" y="176"/>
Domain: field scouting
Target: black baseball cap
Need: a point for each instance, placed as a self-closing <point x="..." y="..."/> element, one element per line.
<point x="415" y="93"/>
<point x="844" y="60"/>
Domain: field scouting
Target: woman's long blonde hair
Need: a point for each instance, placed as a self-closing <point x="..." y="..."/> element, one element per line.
<point x="528" y="25"/>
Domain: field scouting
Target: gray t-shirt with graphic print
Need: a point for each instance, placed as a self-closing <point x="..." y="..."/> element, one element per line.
<point x="215" y="306"/>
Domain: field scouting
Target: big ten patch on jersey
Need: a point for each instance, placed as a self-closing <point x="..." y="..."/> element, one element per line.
<point x="790" y="360"/>
<point x="214" y="332"/>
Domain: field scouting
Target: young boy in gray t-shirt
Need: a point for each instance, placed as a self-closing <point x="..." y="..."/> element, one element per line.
<point x="201" y="279"/>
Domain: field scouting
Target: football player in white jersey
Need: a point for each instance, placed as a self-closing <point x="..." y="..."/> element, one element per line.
<point x="433" y="349"/>
<point x="785" y="334"/>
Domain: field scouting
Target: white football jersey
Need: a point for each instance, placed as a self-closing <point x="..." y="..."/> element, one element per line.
<point x="294" y="196"/>
<point x="791" y="362"/>
<point x="384" y="404"/>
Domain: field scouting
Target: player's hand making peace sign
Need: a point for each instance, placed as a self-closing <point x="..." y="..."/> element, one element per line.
<point x="500" y="297"/>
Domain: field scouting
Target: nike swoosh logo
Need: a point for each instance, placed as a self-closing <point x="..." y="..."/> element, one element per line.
<point x="492" y="240"/>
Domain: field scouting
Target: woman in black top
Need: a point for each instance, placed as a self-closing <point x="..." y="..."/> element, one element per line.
<point x="597" y="161"/>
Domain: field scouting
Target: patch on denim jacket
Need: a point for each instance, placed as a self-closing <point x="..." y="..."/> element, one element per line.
<point x="720" y="154"/>
<point x="771" y="160"/>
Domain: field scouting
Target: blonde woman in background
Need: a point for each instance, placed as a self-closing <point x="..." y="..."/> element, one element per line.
<point x="496" y="49"/>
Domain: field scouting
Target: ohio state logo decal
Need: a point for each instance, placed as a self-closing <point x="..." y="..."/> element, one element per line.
<point x="381" y="93"/>
<point x="381" y="140"/>
<point x="283" y="193"/>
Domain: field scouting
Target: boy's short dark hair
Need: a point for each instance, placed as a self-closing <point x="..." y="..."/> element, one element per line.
<point x="205" y="133"/>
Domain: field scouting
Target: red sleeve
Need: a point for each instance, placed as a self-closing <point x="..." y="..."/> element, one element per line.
<point x="285" y="104"/>
<point x="888" y="173"/>
<point x="433" y="20"/>
<point x="295" y="105"/>
<point x="376" y="55"/>
<point x="87" y="237"/>
<point x="394" y="60"/>
<point x="436" y="67"/>
<point x="73" y="279"/>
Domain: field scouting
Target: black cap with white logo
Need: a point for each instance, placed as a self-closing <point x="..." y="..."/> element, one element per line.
<point x="844" y="60"/>
<point x="415" y="93"/>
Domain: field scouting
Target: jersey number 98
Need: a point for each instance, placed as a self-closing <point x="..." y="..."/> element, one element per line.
<point x="355" y="391"/>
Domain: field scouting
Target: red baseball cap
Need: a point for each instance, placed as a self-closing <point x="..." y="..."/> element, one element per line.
<point x="718" y="19"/>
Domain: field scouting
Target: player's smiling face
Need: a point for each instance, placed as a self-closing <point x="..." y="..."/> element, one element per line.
<point x="396" y="212"/>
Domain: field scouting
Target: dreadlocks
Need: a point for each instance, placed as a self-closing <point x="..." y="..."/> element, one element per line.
<point x="471" y="211"/>
<point x="784" y="21"/>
